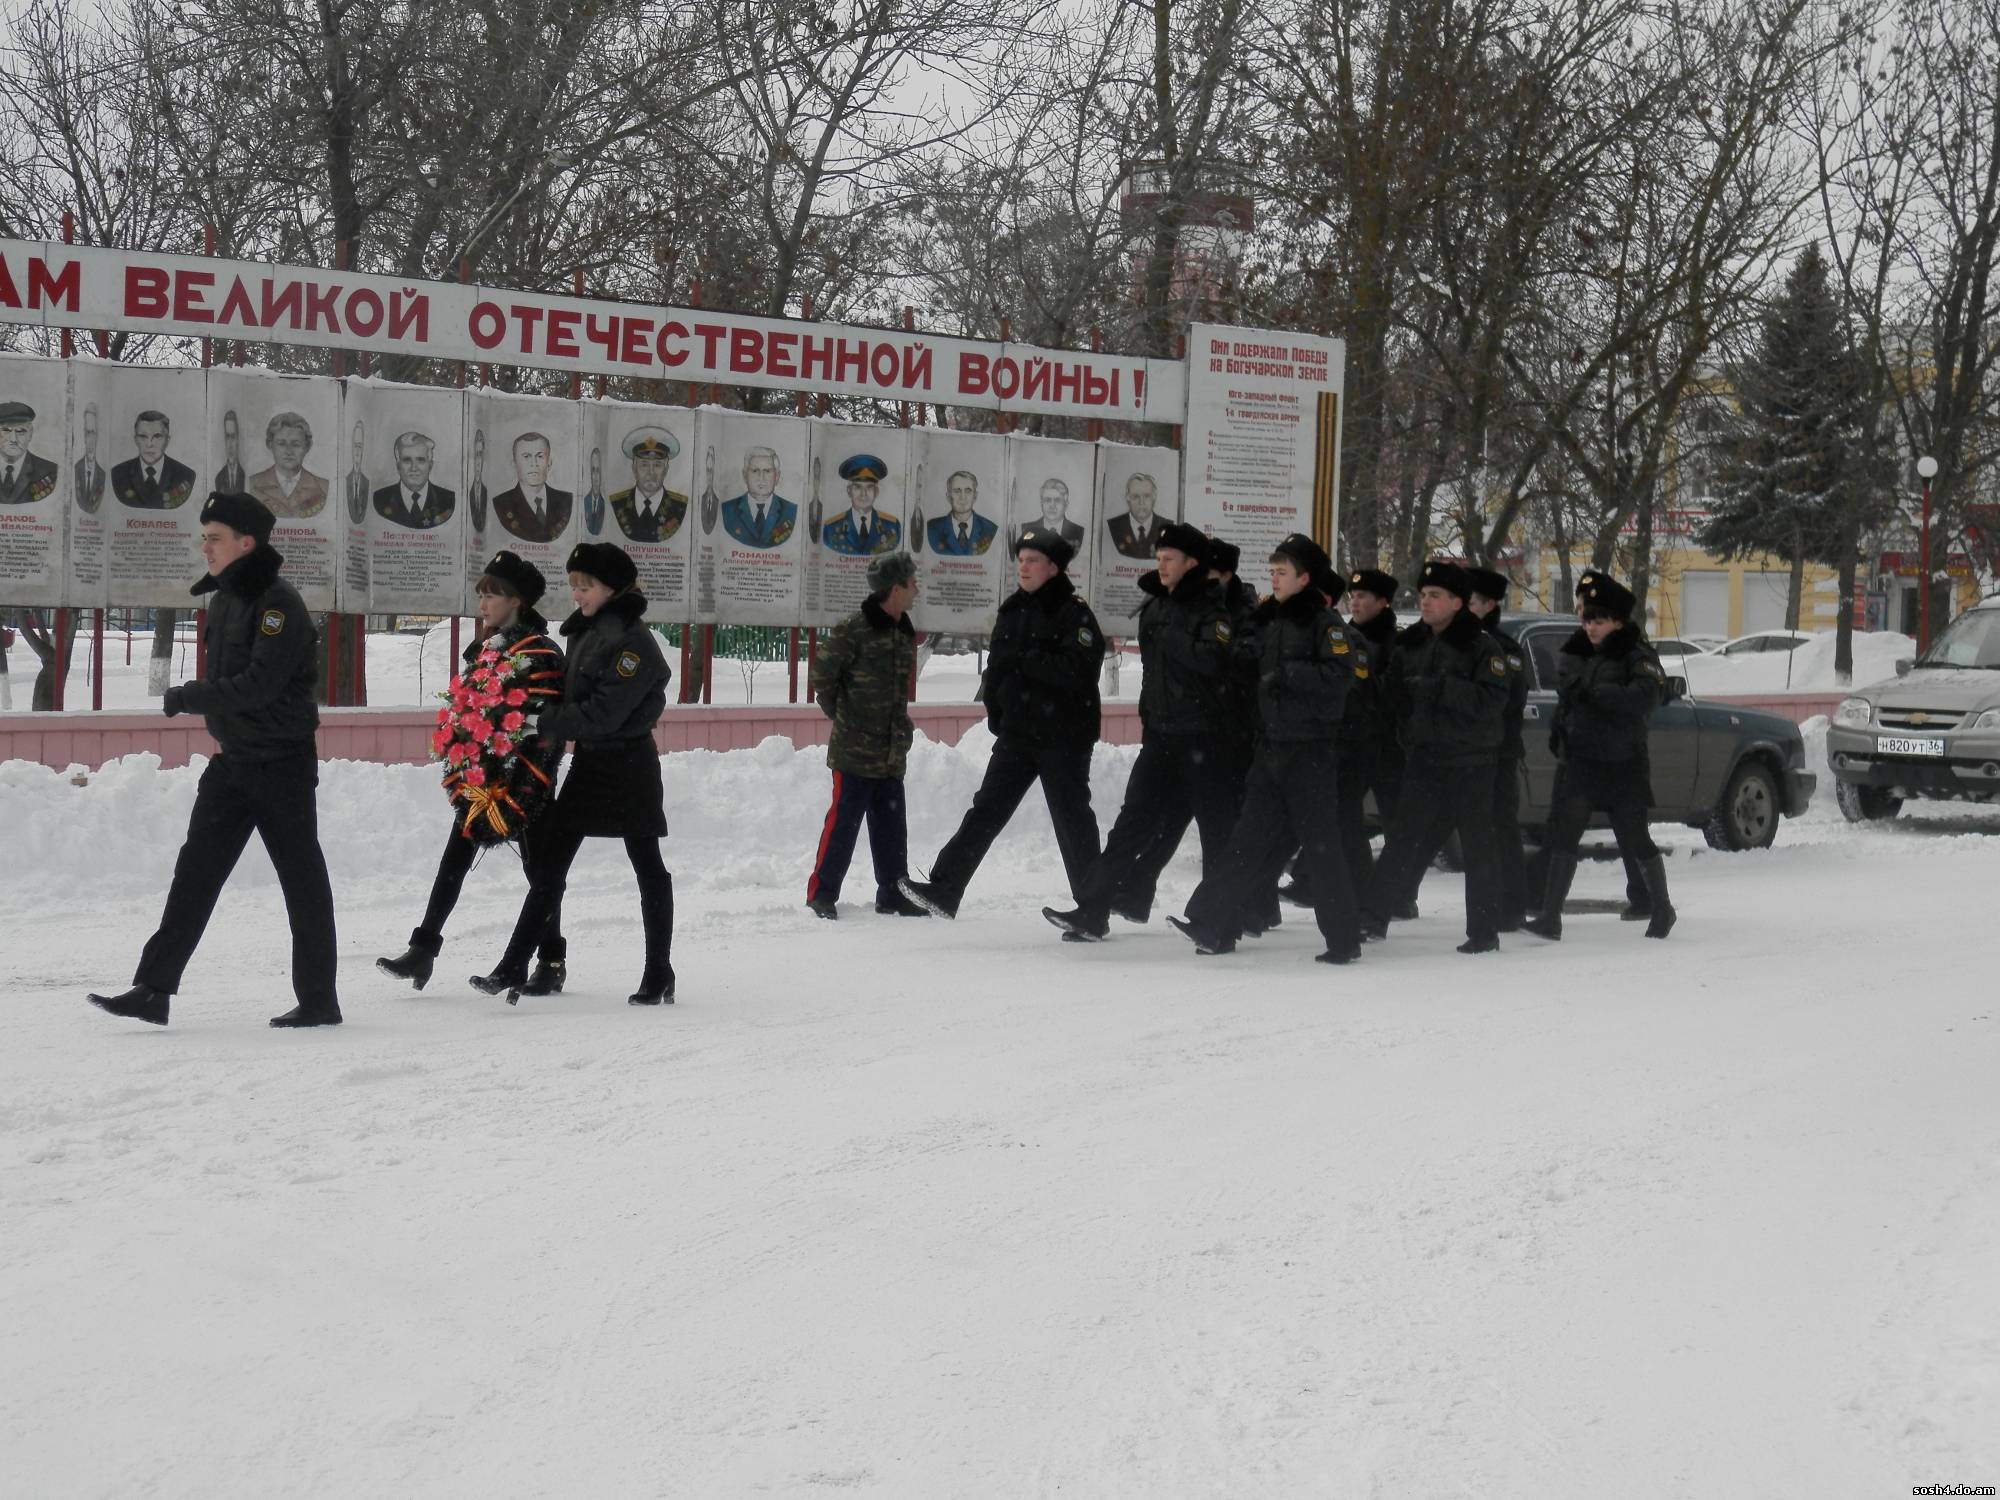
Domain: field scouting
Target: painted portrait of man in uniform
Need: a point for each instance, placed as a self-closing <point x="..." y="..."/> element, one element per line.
<point x="288" y="487"/>
<point x="962" y="532"/>
<point x="1136" y="533"/>
<point x="534" y="510"/>
<point x="90" y="468"/>
<point x="760" y="516"/>
<point x="1053" y="498"/>
<point x="25" y="476"/>
<point x="152" y="479"/>
<point x="413" y="501"/>
<point x="646" y="510"/>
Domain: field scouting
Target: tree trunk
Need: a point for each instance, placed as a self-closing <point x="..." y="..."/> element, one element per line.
<point x="1843" y="627"/>
<point x="1795" y="586"/>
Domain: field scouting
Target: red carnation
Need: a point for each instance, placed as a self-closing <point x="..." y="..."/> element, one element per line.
<point x="517" y="696"/>
<point x="475" y="777"/>
<point x="511" y="722"/>
<point x="502" y="745"/>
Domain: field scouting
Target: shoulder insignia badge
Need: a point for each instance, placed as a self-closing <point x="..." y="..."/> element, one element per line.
<point x="1361" y="671"/>
<point x="1085" y="636"/>
<point x="273" y="622"/>
<point x="627" y="664"/>
<point x="1336" y="642"/>
<point x="1222" y="631"/>
<point x="1498" y="665"/>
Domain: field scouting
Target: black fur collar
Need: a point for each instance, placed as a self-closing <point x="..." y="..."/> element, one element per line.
<point x="1621" y="642"/>
<point x="623" y="608"/>
<point x="247" y="577"/>
<point x="877" y="616"/>
<point x="1051" y="596"/>
<point x="1463" y="630"/>
<point x="1379" y="629"/>
<point x="1193" y="585"/>
<point x="1302" y="608"/>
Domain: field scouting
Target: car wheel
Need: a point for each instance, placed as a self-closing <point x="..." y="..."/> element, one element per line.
<point x="1747" y="816"/>
<point x="1866" y="804"/>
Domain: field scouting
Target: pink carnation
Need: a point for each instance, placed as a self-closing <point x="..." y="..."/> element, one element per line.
<point x="517" y="696"/>
<point x="511" y="722"/>
<point x="502" y="745"/>
<point x="480" y="729"/>
<point x="439" y="740"/>
<point x="475" y="777"/>
<point x="458" y="754"/>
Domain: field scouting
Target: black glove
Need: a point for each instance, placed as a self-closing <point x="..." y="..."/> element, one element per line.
<point x="170" y="704"/>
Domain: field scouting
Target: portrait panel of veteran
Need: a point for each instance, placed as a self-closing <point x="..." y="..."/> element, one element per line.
<point x="1054" y="501"/>
<point x="760" y="516"/>
<point x="90" y="468"/>
<point x="861" y="530"/>
<point x="357" y="475"/>
<point x="647" y="511"/>
<point x="25" y="477"/>
<point x="413" y="501"/>
<point x="534" y="510"/>
<point x="594" y="507"/>
<point x="964" y="532"/>
<point x="1137" y="532"/>
<point x="232" y="478"/>
<point x="288" y="487"/>
<point x="151" y="480"/>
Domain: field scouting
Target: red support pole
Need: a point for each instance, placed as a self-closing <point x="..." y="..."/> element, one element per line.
<point x="687" y="648"/>
<point x="693" y="391"/>
<point x="453" y="663"/>
<point x="1003" y="420"/>
<point x="464" y="275"/>
<point x="333" y="661"/>
<point x="1094" y="430"/>
<point x="59" y="668"/>
<point x="97" y="658"/>
<point x="1180" y="353"/>
<point x="69" y="238"/>
<point x="812" y="659"/>
<point x="708" y="664"/>
<point x="576" y="380"/>
<point x="358" y="682"/>
<point x="792" y="664"/>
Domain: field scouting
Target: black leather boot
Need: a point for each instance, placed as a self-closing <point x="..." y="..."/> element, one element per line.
<point x="548" y="978"/>
<point x="1655" y="871"/>
<point x="415" y="965"/>
<point x="137" y="1004"/>
<point x="656" y="985"/>
<point x="507" y="979"/>
<point x="327" y="1014"/>
<point x="1548" y="922"/>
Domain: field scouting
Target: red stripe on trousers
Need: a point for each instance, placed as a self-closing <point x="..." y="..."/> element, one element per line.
<point x="825" y="834"/>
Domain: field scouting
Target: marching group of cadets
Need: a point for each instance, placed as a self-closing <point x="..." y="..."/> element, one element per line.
<point x="1266" y="724"/>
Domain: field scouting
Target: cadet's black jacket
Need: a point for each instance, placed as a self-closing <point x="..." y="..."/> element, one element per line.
<point x="1604" y="696"/>
<point x="1306" y="665"/>
<point x="1450" y="691"/>
<point x="1517" y="687"/>
<point x="1369" y="720"/>
<point x="1042" y="664"/>
<point x="256" y="687"/>
<point x="615" y="682"/>
<point x="1184" y="645"/>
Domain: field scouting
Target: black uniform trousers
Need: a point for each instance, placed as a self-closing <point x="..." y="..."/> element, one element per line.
<point x="1017" y="763"/>
<point x="460" y="854"/>
<point x="1631" y="824"/>
<point x="1436" y="799"/>
<point x="556" y="846"/>
<point x="1176" y="780"/>
<point x="1510" y="854"/>
<point x="278" y="800"/>
<point x="1290" y="800"/>
<point x="879" y="801"/>
<point x="1362" y="769"/>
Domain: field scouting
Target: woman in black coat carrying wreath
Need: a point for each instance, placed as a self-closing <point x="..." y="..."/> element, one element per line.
<point x="1609" y="681"/>
<point x="614" y="691"/>
<point x="509" y="590"/>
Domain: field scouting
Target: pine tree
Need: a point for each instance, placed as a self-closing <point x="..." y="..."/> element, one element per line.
<point x="1790" y="485"/>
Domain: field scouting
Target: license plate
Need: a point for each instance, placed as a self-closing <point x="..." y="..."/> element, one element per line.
<point x="1895" y="744"/>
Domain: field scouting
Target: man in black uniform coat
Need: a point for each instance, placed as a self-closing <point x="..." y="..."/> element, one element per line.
<point x="1185" y="646"/>
<point x="1307" y="663"/>
<point x="1489" y="597"/>
<point x="1449" y="685"/>
<point x="256" y="695"/>
<point x="1040" y="691"/>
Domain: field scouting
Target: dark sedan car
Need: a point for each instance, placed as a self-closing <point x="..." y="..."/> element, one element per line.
<point x="1731" y="772"/>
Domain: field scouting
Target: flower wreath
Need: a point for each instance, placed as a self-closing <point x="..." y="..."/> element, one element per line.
<point x="480" y="737"/>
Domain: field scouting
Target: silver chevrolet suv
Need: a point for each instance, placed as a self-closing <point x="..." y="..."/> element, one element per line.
<point x="1931" y="731"/>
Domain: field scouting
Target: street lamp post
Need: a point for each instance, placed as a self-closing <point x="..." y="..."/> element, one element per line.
<point x="1927" y="468"/>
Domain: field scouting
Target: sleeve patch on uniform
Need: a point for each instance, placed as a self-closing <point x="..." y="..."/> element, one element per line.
<point x="1085" y="636"/>
<point x="273" y="622"/>
<point x="1498" y="665"/>
<point x="627" y="664"/>
<point x="1336" y="642"/>
<point x="1361" y="671"/>
<point x="1222" y="631"/>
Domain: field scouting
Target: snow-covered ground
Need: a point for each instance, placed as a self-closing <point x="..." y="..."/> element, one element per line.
<point x="922" y="1209"/>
